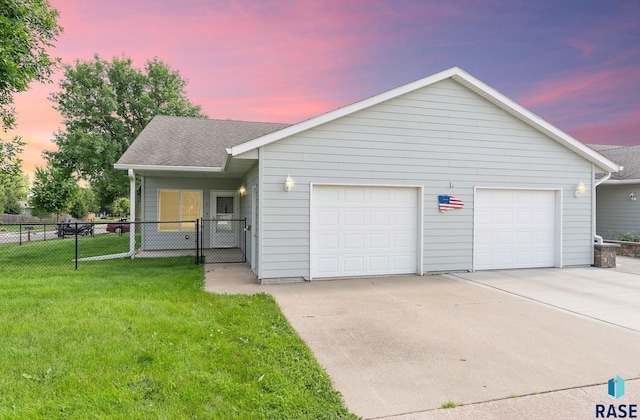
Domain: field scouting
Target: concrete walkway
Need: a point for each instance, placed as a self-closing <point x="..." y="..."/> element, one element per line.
<point x="400" y="347"/>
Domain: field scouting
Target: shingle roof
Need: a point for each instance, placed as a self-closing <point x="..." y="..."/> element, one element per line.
<point x="184" y="141"/>
<point x="626" y="156"/>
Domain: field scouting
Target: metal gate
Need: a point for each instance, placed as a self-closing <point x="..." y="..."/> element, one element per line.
<point x="223" y="241"/>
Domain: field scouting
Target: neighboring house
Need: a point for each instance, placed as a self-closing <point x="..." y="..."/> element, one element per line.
<point x="25" y="207"/>
<point x="618" y="198"/>
<point x="355" y="191"/>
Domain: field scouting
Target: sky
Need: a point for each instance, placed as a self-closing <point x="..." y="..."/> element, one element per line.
<point x="575" y="63"/>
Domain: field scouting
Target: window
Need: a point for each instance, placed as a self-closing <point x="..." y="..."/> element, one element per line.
<point x="180" y="206"/>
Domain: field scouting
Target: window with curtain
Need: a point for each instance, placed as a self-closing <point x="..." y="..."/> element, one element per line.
<point x="180" y="206"/>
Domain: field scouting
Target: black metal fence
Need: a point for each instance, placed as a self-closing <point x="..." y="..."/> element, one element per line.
<point x="223" y="240"/>
<point x="77" y="242"/>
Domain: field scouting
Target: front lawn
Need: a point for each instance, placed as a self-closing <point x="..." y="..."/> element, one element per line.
<point x="140" y="339"/>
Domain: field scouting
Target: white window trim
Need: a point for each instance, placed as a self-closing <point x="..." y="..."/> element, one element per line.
<point x="180" y="221"/>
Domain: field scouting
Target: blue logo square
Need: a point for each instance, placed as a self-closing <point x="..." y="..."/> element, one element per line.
<point x="616" y="387"/>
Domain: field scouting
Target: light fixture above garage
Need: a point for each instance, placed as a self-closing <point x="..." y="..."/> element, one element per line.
<point x="580" y="189"/>
<point x="288" y="184"/>
<point x="633" y="196"/>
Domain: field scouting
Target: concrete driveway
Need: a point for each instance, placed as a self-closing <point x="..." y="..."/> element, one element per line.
<point x="607" y="295"/>
<point x="403" y="346"/>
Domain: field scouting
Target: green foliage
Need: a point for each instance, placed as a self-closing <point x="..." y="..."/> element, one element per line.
<point x="27" y="29"/>
<point x="121" y="206"/>
<point x="83" y="204"/>
<point x="10" y="150"/>
<point x="450" y="404"/>
<point x="134" y="339"/>
<point x="629" y="236"/>
<point x="78" y="210"/>
<point x="105" y="106"/>
<point x="13" y="188"/>
<point x="53" y="191"/>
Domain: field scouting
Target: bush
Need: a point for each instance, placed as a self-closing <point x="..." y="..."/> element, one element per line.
<point x="629" y="236"/>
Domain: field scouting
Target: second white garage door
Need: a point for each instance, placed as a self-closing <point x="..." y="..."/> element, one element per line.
<point x="515" y="229"/>
<point x="363" y="231"/>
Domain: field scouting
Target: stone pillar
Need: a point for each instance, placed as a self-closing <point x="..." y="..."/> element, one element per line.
<point x="604" y="255"/>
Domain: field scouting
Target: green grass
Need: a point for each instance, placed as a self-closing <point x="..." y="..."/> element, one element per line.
<point x="36" y="228"/>
<point x="140" y="339"/>
<point x="450" y="404"/>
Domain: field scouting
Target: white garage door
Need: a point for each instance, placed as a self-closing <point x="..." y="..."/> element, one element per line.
<point x="363" y="231"/>
<point x="515" y="229"/>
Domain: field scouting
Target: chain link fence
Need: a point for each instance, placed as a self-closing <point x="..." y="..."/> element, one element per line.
<point x="77" y="242"/>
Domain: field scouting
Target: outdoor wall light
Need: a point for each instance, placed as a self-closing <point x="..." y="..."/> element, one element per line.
<point x="633" y="197"/>
<point x="288" y="184"/>
<point x="580" y="189"/>
<point x="242" y="190"/>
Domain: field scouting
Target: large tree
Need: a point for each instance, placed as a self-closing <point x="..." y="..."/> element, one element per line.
<point x="53" y="191"/>
<point x="105" y="105"/>
<point x="27" y="29"/>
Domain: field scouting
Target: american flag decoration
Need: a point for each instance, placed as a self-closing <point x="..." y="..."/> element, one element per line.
<point x="448" y="202"/>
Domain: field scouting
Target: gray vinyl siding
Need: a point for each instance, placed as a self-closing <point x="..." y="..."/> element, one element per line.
<point x="443" y="137"/>
<point x="155" y="240"/>
<point x="615" y="212"/>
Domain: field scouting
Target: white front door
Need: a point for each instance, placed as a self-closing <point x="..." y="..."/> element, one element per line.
<point x="225" y="228"/>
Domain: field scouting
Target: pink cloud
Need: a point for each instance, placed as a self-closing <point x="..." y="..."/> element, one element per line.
<point x="624" y="130"/>
<point x="597" y="107"/>
<point x="599" y="86"/>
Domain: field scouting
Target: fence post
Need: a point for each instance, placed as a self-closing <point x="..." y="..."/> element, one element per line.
<point x="244" y="244"/>
<point x="20" y="233"/>
<point x="76" y="235"/>
<point x="44" y="229"/>
<point x="197" y="241"/>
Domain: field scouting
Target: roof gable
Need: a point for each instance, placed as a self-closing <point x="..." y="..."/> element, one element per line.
<point x="461" y="77"/>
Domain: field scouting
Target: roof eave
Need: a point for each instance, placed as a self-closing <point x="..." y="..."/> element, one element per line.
<point x="167" y="168"/>
<point x="621" y="181"/>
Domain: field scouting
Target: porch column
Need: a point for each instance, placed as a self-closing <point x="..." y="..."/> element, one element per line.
<point x="132" y="213"/>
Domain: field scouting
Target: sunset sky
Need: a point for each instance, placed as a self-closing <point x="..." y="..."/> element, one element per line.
<point x="575" y="63"/>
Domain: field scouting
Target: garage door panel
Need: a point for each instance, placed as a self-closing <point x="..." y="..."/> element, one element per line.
<point x="379" y="196"/>
<point x="327" y="218"/>
<point x="379" y="264"/>
<point x="327" y="266"/>
<point x="523" y="258"/>
<point x="377" y="218"/>
<point x="524" y="237"/>
<point x="404" y="240"/>
<point x="367" y="231"/>
<point x="514" y="229"/>
<point x="327" y="241"/>
<point x="353" y="241"/>
<point x="379" y="241"/>
<point x="353" y="264"/>
<point x="404" y="263"/>
<point x="353" y="218"/>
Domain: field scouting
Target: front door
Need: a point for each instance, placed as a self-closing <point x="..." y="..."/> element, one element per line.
<point x="225" y="228"/>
